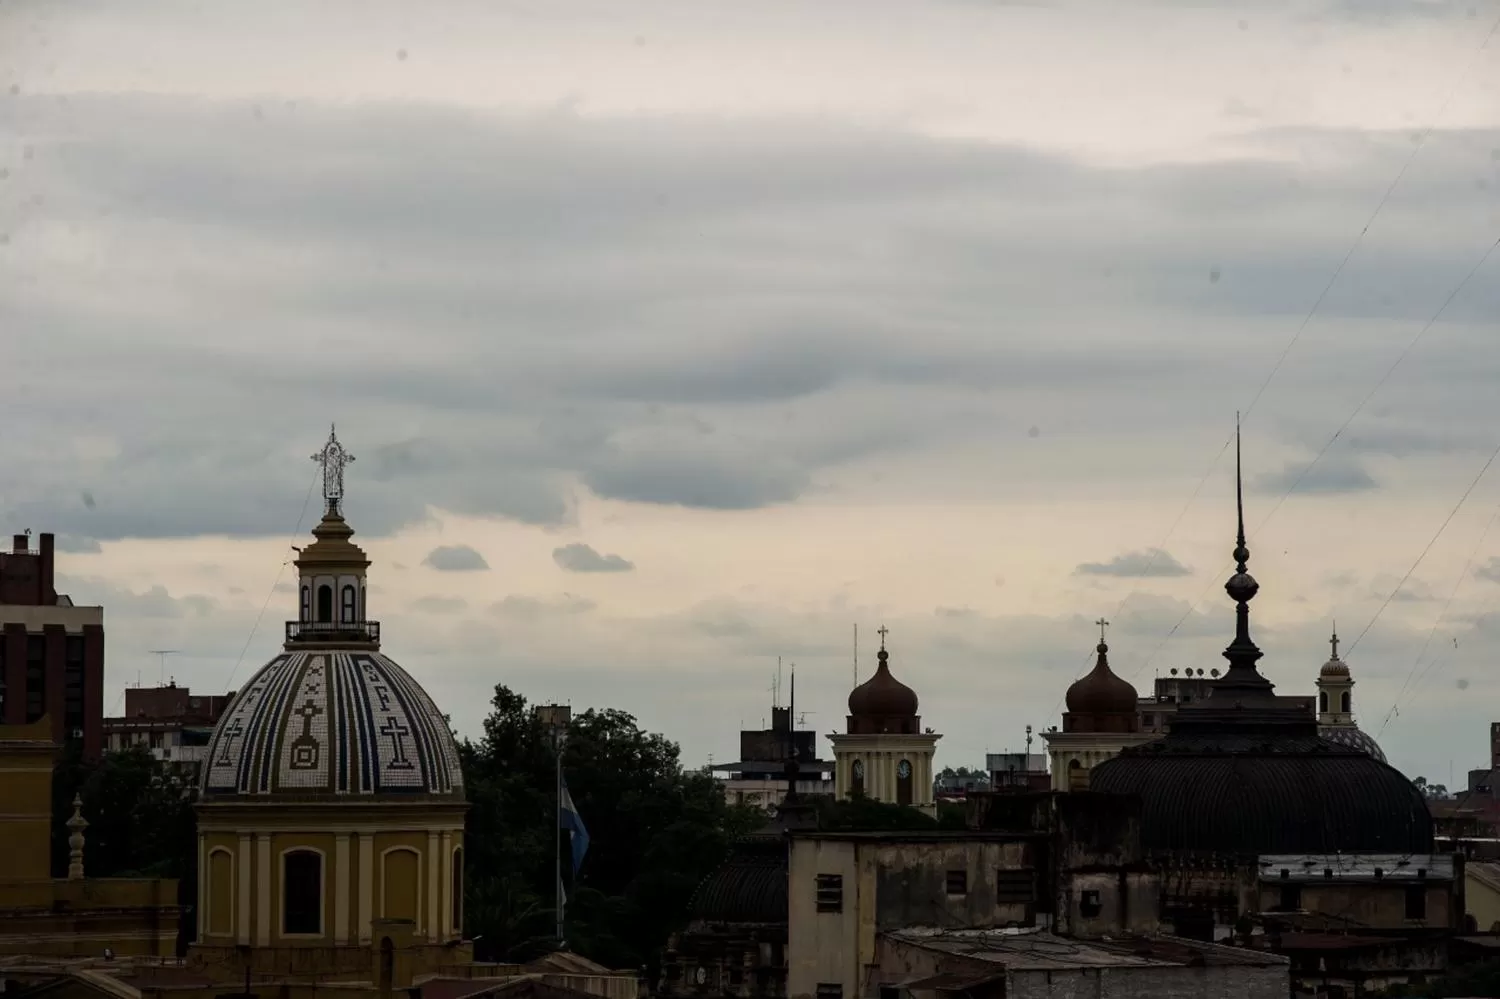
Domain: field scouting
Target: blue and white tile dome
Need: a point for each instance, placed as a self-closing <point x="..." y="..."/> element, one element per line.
<point x="328" y="723"/>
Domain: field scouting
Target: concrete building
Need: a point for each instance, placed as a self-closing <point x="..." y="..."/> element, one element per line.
<point x="884" y="754"/>
<point x="172" y="722"/>
<point x="758" y="777"/>
<point x="51" y="652"/>
<point x="1064" y="864"/>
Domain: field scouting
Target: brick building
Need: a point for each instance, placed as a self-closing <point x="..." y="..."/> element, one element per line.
<point x="172" y="722"/>
<point x="51" y="652"/>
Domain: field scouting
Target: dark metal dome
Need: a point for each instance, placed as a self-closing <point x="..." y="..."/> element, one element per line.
<point x="1245" y="771"/>
<point x="749" y="887"/>
<point x="883" y="703"/>
<point x="1353" y="738"/>
<point x="1275" y="792"/>
<point x="1102" y="701"/>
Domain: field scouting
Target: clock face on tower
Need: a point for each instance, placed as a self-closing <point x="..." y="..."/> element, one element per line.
<point x="903" y="770"/>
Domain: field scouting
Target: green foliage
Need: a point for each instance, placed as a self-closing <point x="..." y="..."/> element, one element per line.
<point x="655" y="831"/>
<point x="141" y="824"/>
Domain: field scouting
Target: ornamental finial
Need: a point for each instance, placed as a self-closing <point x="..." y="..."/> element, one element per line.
<point x="333" y="457"/>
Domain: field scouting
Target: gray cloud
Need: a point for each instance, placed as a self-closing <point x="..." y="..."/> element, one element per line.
<point x="455" y="558"/>
<point x="528" y="608"/>
<point x="1140" y="564"/>
<point x="1490" y="570"/>
<point x="74" y="545"/>
<point x="619" y="385"/>
<point x="579" y="557"/>
<point x="153" y="602"/>
<point x="1334" y="474"/>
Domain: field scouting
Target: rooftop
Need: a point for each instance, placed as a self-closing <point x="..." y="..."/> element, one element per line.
<point x="1037" y="950"/>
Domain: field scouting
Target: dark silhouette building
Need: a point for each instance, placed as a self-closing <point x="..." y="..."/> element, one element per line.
<point x="51" y="652"/>
<point x="1245" y="772"/>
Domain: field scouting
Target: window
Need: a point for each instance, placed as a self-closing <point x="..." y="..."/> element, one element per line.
<point x="1416" y="902"/>
<point x="1323" y="701"/>
<point x="1344" y="702"/>
<point x="830" y="893"/>
<point x="325" y="603"/>
<point x="346" y="604"/>
<point x="458" y="891"/>
<point x="73" y="684"/>
<point x="1291" y="898"/>
<point x="1089" y="905"/>
<point x="830" y="990"/>
<point x="36" y="677"/>
<point x="903" y="782"/>
<point x="1015" y="887"/>
<point x="958" y="882"/>
<point x="302" y="892"/>
<point x="857" y="777"/>
<point x="306" y="602"/>
<point x="1148" y="719"/>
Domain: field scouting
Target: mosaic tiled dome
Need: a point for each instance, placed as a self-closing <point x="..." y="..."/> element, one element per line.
<point x="347" y="724"/>
<point x="1353" y="738"/>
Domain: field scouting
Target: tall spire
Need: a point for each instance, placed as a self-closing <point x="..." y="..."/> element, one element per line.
<point x="1241" y="587"/>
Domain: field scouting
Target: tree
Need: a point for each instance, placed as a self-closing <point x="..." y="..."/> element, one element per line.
<point x="655" y="831"/>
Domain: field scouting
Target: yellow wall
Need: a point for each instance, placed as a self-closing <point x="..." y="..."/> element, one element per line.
<point x="26" y="757"/>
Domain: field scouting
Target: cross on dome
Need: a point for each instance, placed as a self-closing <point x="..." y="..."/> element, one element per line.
<point x="1334" y="641"/>
<point x="882" y="631"/>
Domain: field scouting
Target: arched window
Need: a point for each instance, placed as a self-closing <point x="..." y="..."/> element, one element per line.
<point x="346" y="604"/>
<point x="302" y="892"/>
<point x="362" y="610"/>
<point x="1323" y="701"/>
<point x="401" y="884"/>
<point x="325" y="603"/>
<point x="306" y="602"/>
<point x="857" y="777"/>
<point x="1344" y="702"/>
<point x="458" y="891"/>
<point x="903" y="782"/>
<point x="220" y="892"/>
<point x="1078" y="777"/>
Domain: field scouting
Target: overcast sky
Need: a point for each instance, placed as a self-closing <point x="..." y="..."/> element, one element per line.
<point x="674" y="337"/>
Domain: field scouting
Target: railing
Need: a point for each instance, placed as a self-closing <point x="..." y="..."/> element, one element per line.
<point x="333" y="631"/>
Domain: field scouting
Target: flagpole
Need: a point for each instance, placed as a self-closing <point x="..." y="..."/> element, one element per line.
<point x="557" y="838"/>
<point x="555" y="719"/>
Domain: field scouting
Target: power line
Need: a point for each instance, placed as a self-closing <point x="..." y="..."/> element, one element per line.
<point x="296" y="532"/>
<point x="1442" y="308"/>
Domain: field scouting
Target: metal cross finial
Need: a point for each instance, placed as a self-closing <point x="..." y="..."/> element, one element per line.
<point x="882" y="631"/>
<point x="1334" y="641"/>
<point x="1102" y="625"/>
<point x="333" y="458"/>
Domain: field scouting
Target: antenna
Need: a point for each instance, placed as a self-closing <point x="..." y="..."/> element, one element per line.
<point x="856" y="656"/>
<point x="776" y="699"/>
<point x="163" y="653"/>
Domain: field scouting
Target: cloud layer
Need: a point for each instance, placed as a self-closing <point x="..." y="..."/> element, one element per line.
<point x="579" y="557"/>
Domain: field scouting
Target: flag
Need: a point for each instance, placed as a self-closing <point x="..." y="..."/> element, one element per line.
<point x="569" y="819"/>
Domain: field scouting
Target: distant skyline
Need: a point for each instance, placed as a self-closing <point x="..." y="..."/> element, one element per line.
<point x="673" y="337"/>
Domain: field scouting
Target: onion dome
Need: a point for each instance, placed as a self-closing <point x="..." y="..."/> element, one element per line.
<point x="883" y="703"/>
<point x="1102" y="701"/>
<point x="1246" y="772"/>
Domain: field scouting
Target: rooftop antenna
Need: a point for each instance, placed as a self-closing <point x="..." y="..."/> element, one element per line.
<point x="776" y="699"/>
<point x="856" y="656"/>
<point x="163" y="653"/>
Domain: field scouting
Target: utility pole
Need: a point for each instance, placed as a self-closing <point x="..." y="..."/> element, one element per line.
<point x="556" y="718"/>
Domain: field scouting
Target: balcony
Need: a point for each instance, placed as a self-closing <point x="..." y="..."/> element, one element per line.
<point x="333" y="632"/>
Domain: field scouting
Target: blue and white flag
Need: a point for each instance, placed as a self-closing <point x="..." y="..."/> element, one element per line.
<point x="569" y="819"/>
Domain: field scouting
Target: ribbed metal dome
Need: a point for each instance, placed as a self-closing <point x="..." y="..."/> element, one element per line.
<point x="749" y="887"/>
<point x="1245" y="772"/>
<point x="1269" y="793"/>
